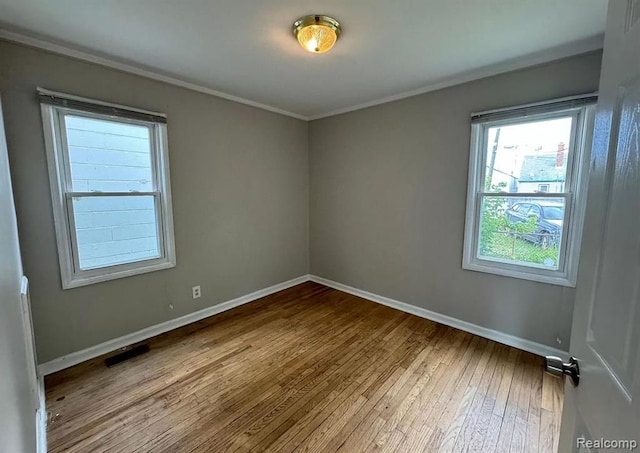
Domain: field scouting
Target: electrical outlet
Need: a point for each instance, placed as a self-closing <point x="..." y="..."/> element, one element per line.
<point x="195" y="291"/>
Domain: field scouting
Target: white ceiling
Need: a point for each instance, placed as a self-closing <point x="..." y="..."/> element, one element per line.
<point x="245" y="48"/>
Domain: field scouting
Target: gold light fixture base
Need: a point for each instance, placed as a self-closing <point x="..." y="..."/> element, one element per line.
<point x="317" y="33"/>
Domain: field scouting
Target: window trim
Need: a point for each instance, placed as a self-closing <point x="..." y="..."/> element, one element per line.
<point x="574" y="194"/>
<point x="61" y="194"/>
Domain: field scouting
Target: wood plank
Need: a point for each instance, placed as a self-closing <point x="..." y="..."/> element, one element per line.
<point x="475" y="411"/>
<point x="533" y="419"/>
<point x="509" y="418"/>
<point x="484" y="417"/>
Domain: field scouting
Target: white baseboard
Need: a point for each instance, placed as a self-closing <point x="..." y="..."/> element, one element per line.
<point x="500" y="337"/>
<point x="41" y="418"/>
<point x="75" y="358"/>
<point x="144" y="334"/>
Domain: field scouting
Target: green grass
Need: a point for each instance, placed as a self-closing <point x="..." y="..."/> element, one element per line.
<point x="508" y="247"/>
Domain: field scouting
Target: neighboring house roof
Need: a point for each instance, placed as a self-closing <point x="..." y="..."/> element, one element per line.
<point x="541" y="169"/>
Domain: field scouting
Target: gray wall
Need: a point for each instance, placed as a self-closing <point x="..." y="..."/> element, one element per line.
<point x="239" y="178"/>
<point x="17" y="415"/>
<point x="387" y="206"/>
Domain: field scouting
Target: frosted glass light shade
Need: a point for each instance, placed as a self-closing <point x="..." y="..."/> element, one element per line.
<point x="316" y="34"/>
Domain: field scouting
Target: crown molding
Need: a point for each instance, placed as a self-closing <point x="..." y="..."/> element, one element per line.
<point x="534" y="59"/>
<point x="556" y="53"/>
<point x="126" y="67"/>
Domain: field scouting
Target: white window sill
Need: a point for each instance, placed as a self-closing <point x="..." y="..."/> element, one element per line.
<point x="511" y="271"/>
<point x="78" y="281"/>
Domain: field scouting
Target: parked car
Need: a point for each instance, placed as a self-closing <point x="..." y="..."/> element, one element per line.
<point x="549" y="216"/>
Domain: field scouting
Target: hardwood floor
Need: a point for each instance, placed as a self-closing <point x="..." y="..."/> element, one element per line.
<point x="309" y="369"/>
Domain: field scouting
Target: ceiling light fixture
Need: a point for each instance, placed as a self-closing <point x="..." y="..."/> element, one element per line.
<point x="316" y="33"/>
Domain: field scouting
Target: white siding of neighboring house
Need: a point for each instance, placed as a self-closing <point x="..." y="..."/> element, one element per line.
<point x="535" y="186"/>
<point x="107" y="156"/>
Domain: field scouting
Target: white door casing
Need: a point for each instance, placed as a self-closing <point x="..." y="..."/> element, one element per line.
<point x="19" y="405"/>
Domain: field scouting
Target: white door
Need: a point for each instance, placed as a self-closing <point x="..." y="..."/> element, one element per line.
<point x="606" y="325"/>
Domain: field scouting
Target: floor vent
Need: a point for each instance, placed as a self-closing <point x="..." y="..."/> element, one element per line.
<point x="126" y="355"/>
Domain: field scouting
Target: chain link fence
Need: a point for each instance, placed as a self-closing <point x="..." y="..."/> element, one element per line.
<point x="535" y="248"/>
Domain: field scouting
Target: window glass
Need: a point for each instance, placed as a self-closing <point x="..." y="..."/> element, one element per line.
<point x="522" y="157"/>
<point x="534" y="211"/>
<point x="108" y="156"/>
<point x="528" y="236"/>
<point x="115" y="230"/>
<point x="525" y="157"/>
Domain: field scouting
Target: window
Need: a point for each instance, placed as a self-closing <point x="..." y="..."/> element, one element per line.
<point x="109" y="175"/>
<point x="525" y="198"/>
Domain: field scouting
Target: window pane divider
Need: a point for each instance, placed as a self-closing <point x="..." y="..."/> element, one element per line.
<point x="526" y="194"/>
<point x="111" y="194"/>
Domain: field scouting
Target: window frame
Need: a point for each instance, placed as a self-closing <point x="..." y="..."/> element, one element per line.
<point x="574" y="194"/>
<point x="62" y="194"/>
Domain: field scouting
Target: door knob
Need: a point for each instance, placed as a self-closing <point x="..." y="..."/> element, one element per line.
<point x="556" y="367"/>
